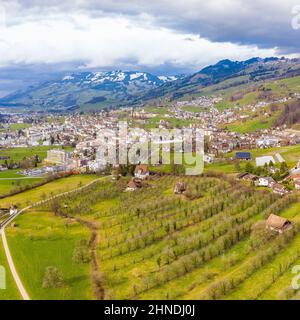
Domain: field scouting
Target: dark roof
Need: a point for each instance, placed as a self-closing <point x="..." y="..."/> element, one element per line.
<point x="241" y="175"/>
<point x="243" y="155"/>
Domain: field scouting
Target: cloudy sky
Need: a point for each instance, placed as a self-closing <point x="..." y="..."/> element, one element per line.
<point x="43" y="38"/>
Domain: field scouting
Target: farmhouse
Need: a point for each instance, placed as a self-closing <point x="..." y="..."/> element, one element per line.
<point x="141" y="171"/>
<point x="243" y="155"/>
<point x="179" y="187"/>
<point x="247" y="176"/>
<point x="13" y="210"/>
<point x="279" y="189"/>
<point x="265" y="182"/>
<point x="278" y="224"/>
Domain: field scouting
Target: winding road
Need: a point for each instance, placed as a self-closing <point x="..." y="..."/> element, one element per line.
<point x="4" y="224"/>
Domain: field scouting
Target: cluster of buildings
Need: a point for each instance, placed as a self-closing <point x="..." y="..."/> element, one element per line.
<point x="202" y="102"/>
<point x="267" y="182"/>
<point x="223" y="141"/>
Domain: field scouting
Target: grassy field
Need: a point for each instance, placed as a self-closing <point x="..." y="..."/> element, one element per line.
<point x="51" y="188"/>
<point x="11" y="180"/>
<point x="41" y="240"/>
<point x="291" y="154"/>
<point x="51" y="240"/>
<point x="18" y="154"/>
<point x="19" y="126"/>
<point x="260" y="123"/>
<point x="172" y="247"/>
<point x="11" y="292"/>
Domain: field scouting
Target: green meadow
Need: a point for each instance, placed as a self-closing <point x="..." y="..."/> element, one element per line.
<point x="198" y="245"/>
<point x="45" y="191"/>
<point x="18" y="154"/>
<point x="40" y="240"/>
<point x="11" y="291"/>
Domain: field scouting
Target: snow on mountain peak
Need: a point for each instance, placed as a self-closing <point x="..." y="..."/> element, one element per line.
<point x="66" y="78"/>
<point x="117" y="76"/>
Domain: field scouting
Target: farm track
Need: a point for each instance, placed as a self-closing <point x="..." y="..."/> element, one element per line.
<point x="94" y="240"/>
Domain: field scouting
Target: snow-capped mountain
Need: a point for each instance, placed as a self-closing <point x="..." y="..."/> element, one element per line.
<point x="88" y="90"/>
<point x="95" y="78"/>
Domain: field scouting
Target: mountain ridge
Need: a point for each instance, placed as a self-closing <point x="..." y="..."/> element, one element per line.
<point x="93" y="90"/>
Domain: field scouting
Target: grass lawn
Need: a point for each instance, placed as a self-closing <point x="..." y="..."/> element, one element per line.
<point x="55" y="187"/>
<point x="8" y="181"/>
<point x="41" y="240"/>
<point x="192" y="108"/>
<point x="18" y="154"/>
<point x="292" y="211"/>
<point x="251" y="125"/>
<point x="291" y="154"/>
<point x="223" y="166"/>
<point x="19" y="126"/>
<point x="11" y="292"/>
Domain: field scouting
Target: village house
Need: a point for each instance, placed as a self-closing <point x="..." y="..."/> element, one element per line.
<point x="141" y="171"/>
<point x="13" y="210"/>
<point x="208" y="158"/>
<point x="265" y="182"/>
<point x="247" y="176"/>
<point x="279" y="189"/>
<point x="278" y="224"/>
<point x="179" y="187"/>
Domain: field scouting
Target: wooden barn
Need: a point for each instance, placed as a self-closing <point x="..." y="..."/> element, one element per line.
<point x="179" y="187"/>
<point x="278" y="224"/>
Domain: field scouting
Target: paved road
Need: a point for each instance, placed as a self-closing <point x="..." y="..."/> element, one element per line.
<point x="4" y="224"/>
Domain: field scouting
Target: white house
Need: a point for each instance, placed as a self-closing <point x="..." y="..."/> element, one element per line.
<point x="141" y="171"/>
<point x="265" y="181"/>
<point x="13" y="210"/>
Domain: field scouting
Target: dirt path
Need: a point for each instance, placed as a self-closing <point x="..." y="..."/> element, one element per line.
<point x="96" y="279"/>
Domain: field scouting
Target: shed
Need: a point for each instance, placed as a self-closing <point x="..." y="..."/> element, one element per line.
<point x="278" y="224"/>
<point x="179" y="187"/>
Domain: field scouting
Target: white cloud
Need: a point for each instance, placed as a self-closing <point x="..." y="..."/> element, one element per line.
<point x="112" y="40"/>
